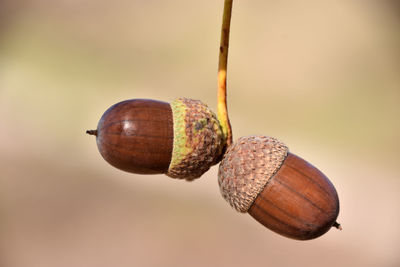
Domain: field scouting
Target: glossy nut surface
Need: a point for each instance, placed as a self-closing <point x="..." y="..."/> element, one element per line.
<point x="137" y="136"/>
<point x="298" y="202"/>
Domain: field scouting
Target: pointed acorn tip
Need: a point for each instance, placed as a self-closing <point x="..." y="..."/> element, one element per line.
<point x="92" y="132"/>
<point x="337" y="225"/>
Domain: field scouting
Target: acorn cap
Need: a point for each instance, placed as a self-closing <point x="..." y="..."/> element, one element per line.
<point x="247" y="166"/>
<point x="198" y="139"/>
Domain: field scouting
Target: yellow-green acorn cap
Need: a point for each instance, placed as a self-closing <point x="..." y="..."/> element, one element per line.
<point x="198" y="139"/>
<point x="247" y="166"/>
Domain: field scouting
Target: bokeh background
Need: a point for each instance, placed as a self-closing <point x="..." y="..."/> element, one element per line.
<point x="322" y="76"/>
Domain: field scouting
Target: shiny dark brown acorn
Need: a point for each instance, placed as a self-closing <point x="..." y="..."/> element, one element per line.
<point x="182" y="139"/>
<point x="282" y="191"/>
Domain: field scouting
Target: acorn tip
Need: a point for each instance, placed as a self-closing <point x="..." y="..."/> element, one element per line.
<point x="337" y="225"/>
<point x="92" y="132"/>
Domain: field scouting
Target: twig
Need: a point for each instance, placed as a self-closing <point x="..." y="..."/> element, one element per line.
<point x="222" y="70"/>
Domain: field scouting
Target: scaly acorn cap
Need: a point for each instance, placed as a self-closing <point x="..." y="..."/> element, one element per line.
<point x="247" y="166"/>
<point x="198" y="139"/>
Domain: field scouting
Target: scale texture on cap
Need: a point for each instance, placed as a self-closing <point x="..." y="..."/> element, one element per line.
<point x="247" y="166"/>
<point x="198" y="139"/>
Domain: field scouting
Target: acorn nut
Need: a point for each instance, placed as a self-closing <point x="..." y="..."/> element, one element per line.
<point x="283" y="192"/>
<point x="182" y="139"/>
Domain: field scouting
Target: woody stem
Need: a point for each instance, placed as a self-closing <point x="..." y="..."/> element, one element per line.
<point x="222" y="72"/>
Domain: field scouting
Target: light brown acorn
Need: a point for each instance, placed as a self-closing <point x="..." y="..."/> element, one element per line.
<point x="182" y="139"/>
<point x="282" y="191"/>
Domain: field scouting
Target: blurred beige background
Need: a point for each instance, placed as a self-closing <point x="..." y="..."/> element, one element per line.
<point x="322" y="76"/>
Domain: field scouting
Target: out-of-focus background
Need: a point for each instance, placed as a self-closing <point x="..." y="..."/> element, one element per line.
<point x="322" y="76"/>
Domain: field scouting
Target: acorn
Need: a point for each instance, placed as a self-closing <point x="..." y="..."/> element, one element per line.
<point x="182" y="139"/>
<point x="282" y="191"/>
